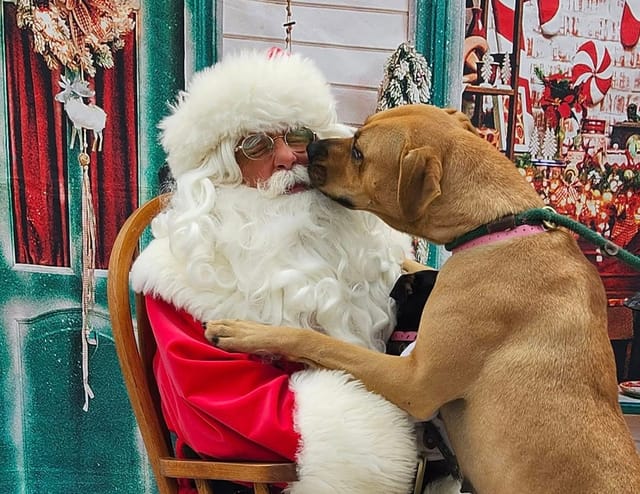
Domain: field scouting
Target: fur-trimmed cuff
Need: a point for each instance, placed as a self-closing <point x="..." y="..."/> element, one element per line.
<point x="352" y="440"/>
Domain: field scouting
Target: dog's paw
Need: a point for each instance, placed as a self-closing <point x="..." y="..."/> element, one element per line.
<point x="238" y="336"/>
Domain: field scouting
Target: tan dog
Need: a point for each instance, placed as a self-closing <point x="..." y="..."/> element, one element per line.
<point x="513" y="346"/>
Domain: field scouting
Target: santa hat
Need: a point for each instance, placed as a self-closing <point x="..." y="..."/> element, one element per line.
<point x="247" y="92"/>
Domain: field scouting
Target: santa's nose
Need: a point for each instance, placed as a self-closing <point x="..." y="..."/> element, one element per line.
<point x="284" y="156"/>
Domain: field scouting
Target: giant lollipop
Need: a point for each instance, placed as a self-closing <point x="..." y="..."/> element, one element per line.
<point x="592" y="69"/>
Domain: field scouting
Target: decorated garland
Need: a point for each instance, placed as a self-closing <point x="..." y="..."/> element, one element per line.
<point x="77" y="34"/>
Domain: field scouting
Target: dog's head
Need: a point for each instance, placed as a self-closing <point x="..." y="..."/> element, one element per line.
<point x="393" y="166"/>
<point x="423" y="170"/>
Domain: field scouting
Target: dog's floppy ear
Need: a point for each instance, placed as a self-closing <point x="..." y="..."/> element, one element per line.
<point x="418" y="181"/>
<point x="462" y="119"/>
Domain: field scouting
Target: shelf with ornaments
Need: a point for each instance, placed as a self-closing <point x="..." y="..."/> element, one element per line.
<point x="491" y="74"/>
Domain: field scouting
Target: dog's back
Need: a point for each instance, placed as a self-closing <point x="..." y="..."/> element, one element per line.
<point x="542" y="414"/>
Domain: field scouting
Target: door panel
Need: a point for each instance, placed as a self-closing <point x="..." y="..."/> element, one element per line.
<point x="65" y="448"/>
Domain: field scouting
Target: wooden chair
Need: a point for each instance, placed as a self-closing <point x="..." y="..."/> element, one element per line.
<point x="136" y="356"/>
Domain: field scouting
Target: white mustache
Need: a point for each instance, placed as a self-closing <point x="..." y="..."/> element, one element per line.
<point x="283" y="181"/>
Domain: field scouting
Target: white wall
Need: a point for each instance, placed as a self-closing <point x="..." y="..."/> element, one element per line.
<point x="350" y="40"/>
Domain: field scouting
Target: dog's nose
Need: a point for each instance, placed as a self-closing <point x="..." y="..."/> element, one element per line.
<point x="317" y="175"/>
<point x="316" y="150"/>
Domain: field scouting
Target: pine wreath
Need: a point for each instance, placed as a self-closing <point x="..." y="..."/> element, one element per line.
<point x="79" y="34"/>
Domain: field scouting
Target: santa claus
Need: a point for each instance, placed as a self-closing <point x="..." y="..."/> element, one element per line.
<point x="245" y="238"/>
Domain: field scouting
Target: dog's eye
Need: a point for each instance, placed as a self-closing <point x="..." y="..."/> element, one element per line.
<point x="356" y="154"/>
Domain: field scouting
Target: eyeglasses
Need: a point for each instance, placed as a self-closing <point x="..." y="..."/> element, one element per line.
<point x="260" y="145"/>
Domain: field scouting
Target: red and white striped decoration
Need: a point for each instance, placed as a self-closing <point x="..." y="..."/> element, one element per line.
<point x="630" y="23"/>
<point x="592" y="67"/>
<point x="549" y="17"/>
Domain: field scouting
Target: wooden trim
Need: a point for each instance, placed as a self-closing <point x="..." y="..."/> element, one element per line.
<point x="232" y="471"/>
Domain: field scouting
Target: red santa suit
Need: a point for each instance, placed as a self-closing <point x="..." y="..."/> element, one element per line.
<point x="225" y="250"/>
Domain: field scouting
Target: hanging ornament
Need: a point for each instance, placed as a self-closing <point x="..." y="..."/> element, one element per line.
<point x="80" y="35"/>
<point x="85" y="117"/>
<point x="592" y="68"/>
<point x="88" y="274"/>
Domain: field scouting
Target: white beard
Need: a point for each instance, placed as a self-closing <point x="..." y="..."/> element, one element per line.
<point x="299" y="260"/>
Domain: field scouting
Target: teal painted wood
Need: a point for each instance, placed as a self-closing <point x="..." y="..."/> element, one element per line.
<point x="161" y="76"/>
<point x="202" y="25"/>
<point x="64" y="448"/>
<point x="439" y="36"/>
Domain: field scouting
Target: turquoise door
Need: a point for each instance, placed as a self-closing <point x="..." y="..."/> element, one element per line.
<point x="50" y="442"/>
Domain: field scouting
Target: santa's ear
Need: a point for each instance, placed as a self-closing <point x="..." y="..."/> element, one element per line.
<point x="418" y="181"/>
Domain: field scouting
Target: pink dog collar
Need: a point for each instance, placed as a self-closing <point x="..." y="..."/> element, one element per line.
<point x="403" y="336"/>
<point x="519" y="231"/>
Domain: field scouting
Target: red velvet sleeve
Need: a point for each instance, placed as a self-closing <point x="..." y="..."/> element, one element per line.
<point x="223" y="405"/>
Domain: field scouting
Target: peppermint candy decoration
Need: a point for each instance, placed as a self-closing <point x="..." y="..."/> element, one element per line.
<point x="593" y="69"/>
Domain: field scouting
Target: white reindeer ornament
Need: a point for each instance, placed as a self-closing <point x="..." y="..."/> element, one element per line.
<point x="82" y="116"/>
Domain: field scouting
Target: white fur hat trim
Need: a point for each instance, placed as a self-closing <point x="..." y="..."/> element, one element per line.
<point x="244" y="93"/>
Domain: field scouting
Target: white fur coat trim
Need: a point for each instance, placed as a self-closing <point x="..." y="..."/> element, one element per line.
<point x="352" y="440"/>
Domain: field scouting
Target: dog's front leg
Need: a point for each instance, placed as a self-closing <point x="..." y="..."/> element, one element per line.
<point x="405" y="381"/>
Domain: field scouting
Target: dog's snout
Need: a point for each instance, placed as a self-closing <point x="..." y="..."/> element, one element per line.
<point x="317" y="150"/>
<point x="317" y="174"/>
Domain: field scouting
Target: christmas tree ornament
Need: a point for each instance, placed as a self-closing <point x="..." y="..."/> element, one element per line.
<point x="549" y="17"/>
<point x="534" y="143"/>
<point x="407" y="79"/>
<point x="593" y="69"/>
<point x="630" y="23"/>
<point x="487" y="70"/>
<point x="549" y="144"/>
<point x="85" y="117"/>
<point x="505" y="70"/>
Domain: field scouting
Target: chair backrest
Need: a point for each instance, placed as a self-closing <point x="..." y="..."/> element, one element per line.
<point x="136" y="356"/>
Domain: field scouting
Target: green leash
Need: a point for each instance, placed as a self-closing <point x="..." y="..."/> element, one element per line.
<point x="548" y="217"/>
